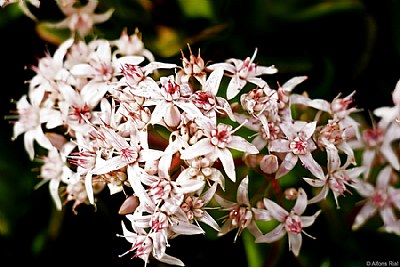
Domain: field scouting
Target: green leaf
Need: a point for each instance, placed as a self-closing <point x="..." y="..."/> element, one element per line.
<point x="9" y="14"/>
<point x="196" y="8"/>
<point x="327" y="8"/>
<point x="51" y="34"/>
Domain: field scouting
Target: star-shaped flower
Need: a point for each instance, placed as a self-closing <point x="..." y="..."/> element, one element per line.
<point x="297" y="145"/>
<point x="291" y="223"/>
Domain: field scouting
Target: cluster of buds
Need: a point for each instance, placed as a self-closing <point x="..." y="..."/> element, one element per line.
<point x="171" y="137"/>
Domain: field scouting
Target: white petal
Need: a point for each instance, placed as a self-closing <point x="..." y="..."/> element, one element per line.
<point x="93" y="92"/>
<point x="280" y="145"/>
<point x="115" y="163"/>
<point x="83" y="70"/>
<point x="262" y="214"/>
<point x="186" y="186"/>
<point x="287" y="165"/>
<point x="384" y="176"/>
<point x="321" y="195"/>
<point x="301" y="202"/>
<point x="276" y="211"/>
<point x="170" y="260"/>
<point x="289" y="85"/>
<point x="295" y="241"/>
<point x="368" y="157"/>
<point x="202" y="147"/>
<point x="309" y="129"/>
<point x="192" y="112"/>
<point x="313" y="166"/>
<point x="149" y="155"/>
<point x="185" y="228"/>
<point x="209" y="194"/>
<point x="159" y="112"/>
<point x="242" y="192"/>
<point x="149" y="68"/>
<point x="213" y="81"/>
<point x="89" y="187"/>
<point x="226" y="158"/>
<point x="307" y="221"/>
<point x="276" y="234"/>
<point x="53" y="188"/>
<point x="209" y="220"/>
<point x="241" y="144"/>
<point x="366" y="212"/>
<point x="131" y="60"/>
<point x="234" y="87"/>
<point x="315" y="182"/>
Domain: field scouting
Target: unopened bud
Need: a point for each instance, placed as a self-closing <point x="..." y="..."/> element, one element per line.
<point x="290" y="193"/>
<point x="151" y="167"/>
<point x="250" y="160"/>
<point x="57" y="140"/>
<point x="206" y="171"/>
<point x="193" y="171"/>
<point x="129" y="206"/>
<point x="172" y="116"/>
<point x="269" y="164"/>
<point x="260" y="205"/>
<point x="145" y="115"/>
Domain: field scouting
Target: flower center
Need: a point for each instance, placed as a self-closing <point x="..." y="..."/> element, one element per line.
<point x="379" y="199"/>
<point x="129" y="154"/>
<point x="80" y="114"/>
<point x="104" y="71"/>
<point x="133" y="74"/>
<point x="373" y="137"/>
<point x="203" y="100"/>
<point x="298" y="145"/>
<point x="240" y="216"/>
<point x="221" y="136"/>
<point x="171" y="90"/>
<point x="160" y="190"/>
<point x="293" y="224"/>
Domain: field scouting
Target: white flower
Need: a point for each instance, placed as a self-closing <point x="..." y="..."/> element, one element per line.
<point x="243" y="71"/>
<point x="297" y="145"/>
<point x="80" y="19"/>
<point x="337" y="178"/>
<point x="132" y="45"/>
<point x="241" y="214"/>
<point x="30" y="125"/>
<point x="291" y="223"/>
<point x="382" y="198"/>
<point x="390" y="114"/>
<point x="216" y="144"/>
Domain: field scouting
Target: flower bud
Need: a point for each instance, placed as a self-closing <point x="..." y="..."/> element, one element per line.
<point x="57" y="140"/>
<point x="172" y="117"/>
<point x="250" y="160"/>
<point x="206" y="171"/>
<point x="269" y="164"/>
<point x="193" y="171"/>
<point x="290" y="193"/>
<point x="129" y="206"/>
<point x="151" y="167"/>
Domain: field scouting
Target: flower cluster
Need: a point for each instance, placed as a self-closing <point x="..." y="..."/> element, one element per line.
<point x="107" y="116"/>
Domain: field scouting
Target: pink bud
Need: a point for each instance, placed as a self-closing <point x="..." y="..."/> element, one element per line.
<point x="129" y="206"/>
<point x="172" y="117"/>
<point x="290" y="193"/>
<point x="250" y="160"/>
<point x="269" y="164"/>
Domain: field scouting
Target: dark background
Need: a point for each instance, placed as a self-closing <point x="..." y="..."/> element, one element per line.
<point x="341" y="46"/>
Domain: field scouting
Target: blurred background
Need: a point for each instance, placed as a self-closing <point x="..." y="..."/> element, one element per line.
<point x="341" y="45"/>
